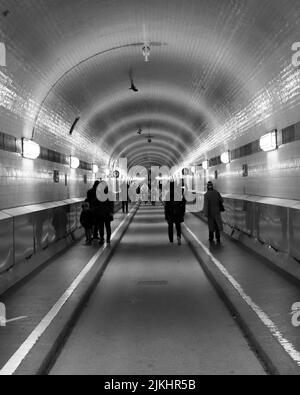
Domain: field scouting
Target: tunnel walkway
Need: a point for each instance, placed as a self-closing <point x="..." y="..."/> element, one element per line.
<point x="155" y="312"/>
<point x="261" y="294"/>
<point x="36" y="296"/>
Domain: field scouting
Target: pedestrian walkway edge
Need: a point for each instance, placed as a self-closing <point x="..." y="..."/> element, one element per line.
<point x="269" y="351"/>
<point x="43" y="354"/>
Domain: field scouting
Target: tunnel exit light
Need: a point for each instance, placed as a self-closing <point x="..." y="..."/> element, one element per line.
<point x="225" y="157"/>
<point x="74" y="162"/>
<point x="95" y="169"/>
<point x="205" y="165"/>
<point x="268" y="142"/>
<point x="30" y="149"/>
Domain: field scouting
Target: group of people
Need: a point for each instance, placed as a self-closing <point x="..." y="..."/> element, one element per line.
<point x="213" y="207"/>
<point x="97" y="216"/>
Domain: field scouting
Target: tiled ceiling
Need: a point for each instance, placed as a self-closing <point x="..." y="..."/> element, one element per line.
<point x="217" y="68"/>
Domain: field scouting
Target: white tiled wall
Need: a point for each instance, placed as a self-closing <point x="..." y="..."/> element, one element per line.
<point x="24" y="182"/>
<point x="273" y="174"/>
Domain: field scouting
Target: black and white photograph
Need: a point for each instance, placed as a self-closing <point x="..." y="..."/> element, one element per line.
<point x="150" y="190"/>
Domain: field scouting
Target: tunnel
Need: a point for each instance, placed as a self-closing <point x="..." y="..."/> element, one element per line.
<point x="149" y="190"/>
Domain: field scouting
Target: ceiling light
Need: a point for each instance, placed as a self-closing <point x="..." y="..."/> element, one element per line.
<point x="30" y="149"/>
<point x="74" y="162"/>
<point x="268" y="142"/>
<point x="225" y="157"/>
<point x="146" y="52"/>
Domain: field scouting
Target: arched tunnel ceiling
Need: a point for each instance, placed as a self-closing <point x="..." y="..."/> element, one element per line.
<point x="217" y="68"/>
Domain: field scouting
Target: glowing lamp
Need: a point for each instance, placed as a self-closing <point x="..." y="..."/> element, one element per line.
<point x="205" y="165"/>
<point x="95" y="169"/>
<point x="268" y="142"/>
<point x="30" y="149"/>
<point x="225" y="157"/>
<point x="74" y="162"/>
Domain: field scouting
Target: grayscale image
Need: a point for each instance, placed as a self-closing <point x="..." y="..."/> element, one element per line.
<point x="149" y="190"/>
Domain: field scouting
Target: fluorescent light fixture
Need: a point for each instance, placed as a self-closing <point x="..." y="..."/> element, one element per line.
<point x="268" y="142"/>
<point x="225" y="157"/>
<point x="2" y="55"/>
<point x="30" y="149"/>
<point x="74" y="162"/>
<point x="74" y="125"/>
<point x="95" y="169"/>
<point x="205" y="165"/>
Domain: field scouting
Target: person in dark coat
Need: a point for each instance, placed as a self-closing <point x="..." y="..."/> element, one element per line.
<point x="104" y="215"/>
<point x="91" y="199"/>
<point x="213" y="204"/>
<point x="86" y="220"/>
<point x="174" y="214"/>
<point x="125" y="205"/>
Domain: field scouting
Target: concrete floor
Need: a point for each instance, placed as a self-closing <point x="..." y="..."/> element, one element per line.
<point x="155" y="312"/>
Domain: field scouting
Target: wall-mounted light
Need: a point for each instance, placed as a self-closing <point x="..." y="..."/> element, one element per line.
<point x="268" y="142"/>
<point x="74" y="162"/>
<point x="225" y="157"/>
<point x="95" y="168"/>
<point x="30" y="149"/>
<point x="205" y="165"/>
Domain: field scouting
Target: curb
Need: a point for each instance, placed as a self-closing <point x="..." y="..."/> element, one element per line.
<point x="43" y="355"/>
<point x="275" y="360"/>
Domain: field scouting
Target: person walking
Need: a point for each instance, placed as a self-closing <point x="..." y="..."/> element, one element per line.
<point x="87" y="220"/>
<point x="145" y="193"/>
<point x="213" y="206"/>
<point x="125" y="205"/>
<point x="174" y="214"/>
<point x="91" y="199"/>
<point x="104" y="213"/>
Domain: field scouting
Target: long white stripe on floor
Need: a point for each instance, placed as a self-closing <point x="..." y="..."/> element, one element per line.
<point x="288" y="346"/>
<point x="19" y="356"/>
